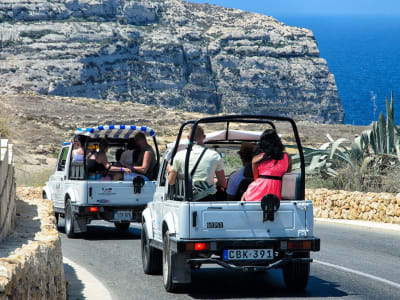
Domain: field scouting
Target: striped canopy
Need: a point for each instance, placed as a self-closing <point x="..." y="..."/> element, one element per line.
<point x="114" y="131"/>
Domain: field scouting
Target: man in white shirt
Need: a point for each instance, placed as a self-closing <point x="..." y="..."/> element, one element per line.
<point x="209" y="163"/>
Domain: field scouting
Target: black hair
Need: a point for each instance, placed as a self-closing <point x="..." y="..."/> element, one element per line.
<point x="118" y="154"/>
<point x="271" y="145"/>
<point x="81" y="139"/>
<point x="131" y="144"/>
<point x="103" y="144"/>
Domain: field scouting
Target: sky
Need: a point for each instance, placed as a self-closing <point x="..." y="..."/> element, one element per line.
<point x="285" y="7"/>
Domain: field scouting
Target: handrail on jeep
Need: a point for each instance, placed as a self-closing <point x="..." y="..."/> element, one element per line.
<point x="259" y="119"/>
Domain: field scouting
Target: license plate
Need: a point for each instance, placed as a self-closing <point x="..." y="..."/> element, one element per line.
<point x="249" y="254"/>
<point x="122" y="215"/>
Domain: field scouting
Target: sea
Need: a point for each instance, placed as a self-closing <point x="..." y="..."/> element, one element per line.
<point x="363" y="53"/>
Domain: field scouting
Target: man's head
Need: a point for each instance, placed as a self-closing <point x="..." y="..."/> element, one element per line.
<point x="199" y="135"/>
<point x="246" y="152"/>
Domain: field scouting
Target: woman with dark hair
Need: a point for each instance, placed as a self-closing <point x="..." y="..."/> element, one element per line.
<point x="98" y="162"/>
<point x="268" y="166"/>
<point x="78" y="151"/>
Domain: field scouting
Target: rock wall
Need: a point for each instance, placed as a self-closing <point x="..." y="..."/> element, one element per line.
<point x="171" y="53"/>
<point x="31" y="262"/>
<point x="377" y="207"/>
<point x="7" y="189"/>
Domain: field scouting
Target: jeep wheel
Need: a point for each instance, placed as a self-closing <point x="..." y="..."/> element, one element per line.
<point x="151" y="257"/>
<point x="296" y="275"/>
<point x="167" y="265"/>
<point x="69" y="220"/>
<point x="57" y="215"/>
<point x="121" y="226"/>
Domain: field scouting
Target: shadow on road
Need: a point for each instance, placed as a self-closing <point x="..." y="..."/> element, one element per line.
<point x="207" y="284"/>
<point x="74" y="285"/>
<point x="98" y="232"/>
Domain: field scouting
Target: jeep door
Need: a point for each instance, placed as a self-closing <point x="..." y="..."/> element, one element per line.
<point x="57" y="180"/>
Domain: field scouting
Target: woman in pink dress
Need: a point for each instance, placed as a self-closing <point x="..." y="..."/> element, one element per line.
<point x="268" y="167"/>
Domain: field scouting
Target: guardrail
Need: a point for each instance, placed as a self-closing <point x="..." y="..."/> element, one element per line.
<point x="7" y="189"/>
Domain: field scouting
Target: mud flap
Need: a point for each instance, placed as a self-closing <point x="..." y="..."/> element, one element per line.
<point x="181" y="270"/>
<point x="80" y="225"/>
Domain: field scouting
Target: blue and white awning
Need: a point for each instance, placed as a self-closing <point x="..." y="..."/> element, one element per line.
<point x="114" y="131"/>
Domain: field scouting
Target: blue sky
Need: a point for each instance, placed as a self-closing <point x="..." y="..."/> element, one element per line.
<point x="285" y="7"/>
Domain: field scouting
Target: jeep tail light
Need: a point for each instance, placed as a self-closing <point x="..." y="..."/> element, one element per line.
<point x="197" y="246"/>
<point x="300" y="245"/>
<point x="93" y="209"/>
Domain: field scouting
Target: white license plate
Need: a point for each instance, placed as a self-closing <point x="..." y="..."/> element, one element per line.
<point x="122" y="215"/>
<point x="249" y="254"/>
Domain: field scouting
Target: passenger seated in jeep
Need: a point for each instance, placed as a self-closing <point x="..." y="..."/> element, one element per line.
<point x="268" y="167"/>
<point x="97" y="162"/>
<point x="204" y="164"/>
<point x="130" y="156"/>
<point x="146" y="161"/>
<point x="239" y="180"/>
<point x="117" y="176"/>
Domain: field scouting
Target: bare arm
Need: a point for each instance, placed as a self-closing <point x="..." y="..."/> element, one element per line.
<point x="172" y="177"/>
<point x="102" y="158"/>
<point x="221" y="180"/>
<point x="254" y="165"/>
<point x="145" y="165"/>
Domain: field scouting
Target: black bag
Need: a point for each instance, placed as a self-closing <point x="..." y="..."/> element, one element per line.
<point x="244" y="183"/>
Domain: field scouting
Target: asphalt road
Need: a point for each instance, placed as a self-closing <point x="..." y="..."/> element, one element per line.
<point x="354" y="263"/>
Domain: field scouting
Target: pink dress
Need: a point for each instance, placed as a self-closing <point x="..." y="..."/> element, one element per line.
<point x="263" y="186"/>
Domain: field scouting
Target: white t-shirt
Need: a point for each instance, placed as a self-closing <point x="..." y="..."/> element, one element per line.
<point x="126" y="157"/>
<point x="210" y="163"/>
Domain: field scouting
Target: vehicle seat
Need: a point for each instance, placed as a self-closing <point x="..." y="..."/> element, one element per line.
<point x="77" y="170"/>
<point x="291" y="187"/>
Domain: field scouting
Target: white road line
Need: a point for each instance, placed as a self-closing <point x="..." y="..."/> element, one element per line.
<point x="93" y="288"/>
<point x="395" y="284"/>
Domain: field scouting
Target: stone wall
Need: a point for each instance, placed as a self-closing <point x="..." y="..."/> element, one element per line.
<point x="7" y="189"/>
<point x="377" y="207"/>
<point x="31" y="261"/>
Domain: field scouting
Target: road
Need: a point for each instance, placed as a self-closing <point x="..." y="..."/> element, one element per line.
<point x="354" y="263"/>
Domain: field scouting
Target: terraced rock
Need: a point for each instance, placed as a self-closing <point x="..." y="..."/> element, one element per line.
<point x="169" y="53"/>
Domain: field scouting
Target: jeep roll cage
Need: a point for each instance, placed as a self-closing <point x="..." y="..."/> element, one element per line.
<point x="256" y="119"/>
<point x="115" y="134"/>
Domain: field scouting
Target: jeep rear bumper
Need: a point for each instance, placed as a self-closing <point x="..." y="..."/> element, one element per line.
<point x="278" y="244"/>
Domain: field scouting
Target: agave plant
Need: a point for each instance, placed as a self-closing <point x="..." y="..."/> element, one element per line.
<point x="374" y="148"/>
<point x="384" y="137"/>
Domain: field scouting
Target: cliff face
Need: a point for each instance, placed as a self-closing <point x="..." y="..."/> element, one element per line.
<point x="166" y="52"/>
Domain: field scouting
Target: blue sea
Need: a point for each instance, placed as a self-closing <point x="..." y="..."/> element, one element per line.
<point x="363" y="53"/>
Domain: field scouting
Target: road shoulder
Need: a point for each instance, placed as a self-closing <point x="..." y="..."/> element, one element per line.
<point x="82" y="284"/>
<point x="368" y="224"/>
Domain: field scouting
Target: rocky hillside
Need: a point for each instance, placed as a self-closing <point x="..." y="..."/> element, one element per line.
<point x="170" y="53"/>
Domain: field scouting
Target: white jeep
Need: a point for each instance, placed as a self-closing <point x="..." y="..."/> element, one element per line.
<point x="81" y="197"/>
<point x="179" y="234"/>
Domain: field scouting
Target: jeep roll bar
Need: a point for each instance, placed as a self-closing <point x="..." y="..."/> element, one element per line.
<point x="258" y="119"/>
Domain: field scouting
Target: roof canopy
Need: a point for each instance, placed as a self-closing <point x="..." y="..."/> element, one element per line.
<point x="114" y="131"/>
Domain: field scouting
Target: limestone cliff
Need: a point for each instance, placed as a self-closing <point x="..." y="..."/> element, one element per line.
<point x="166" y="52"/>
